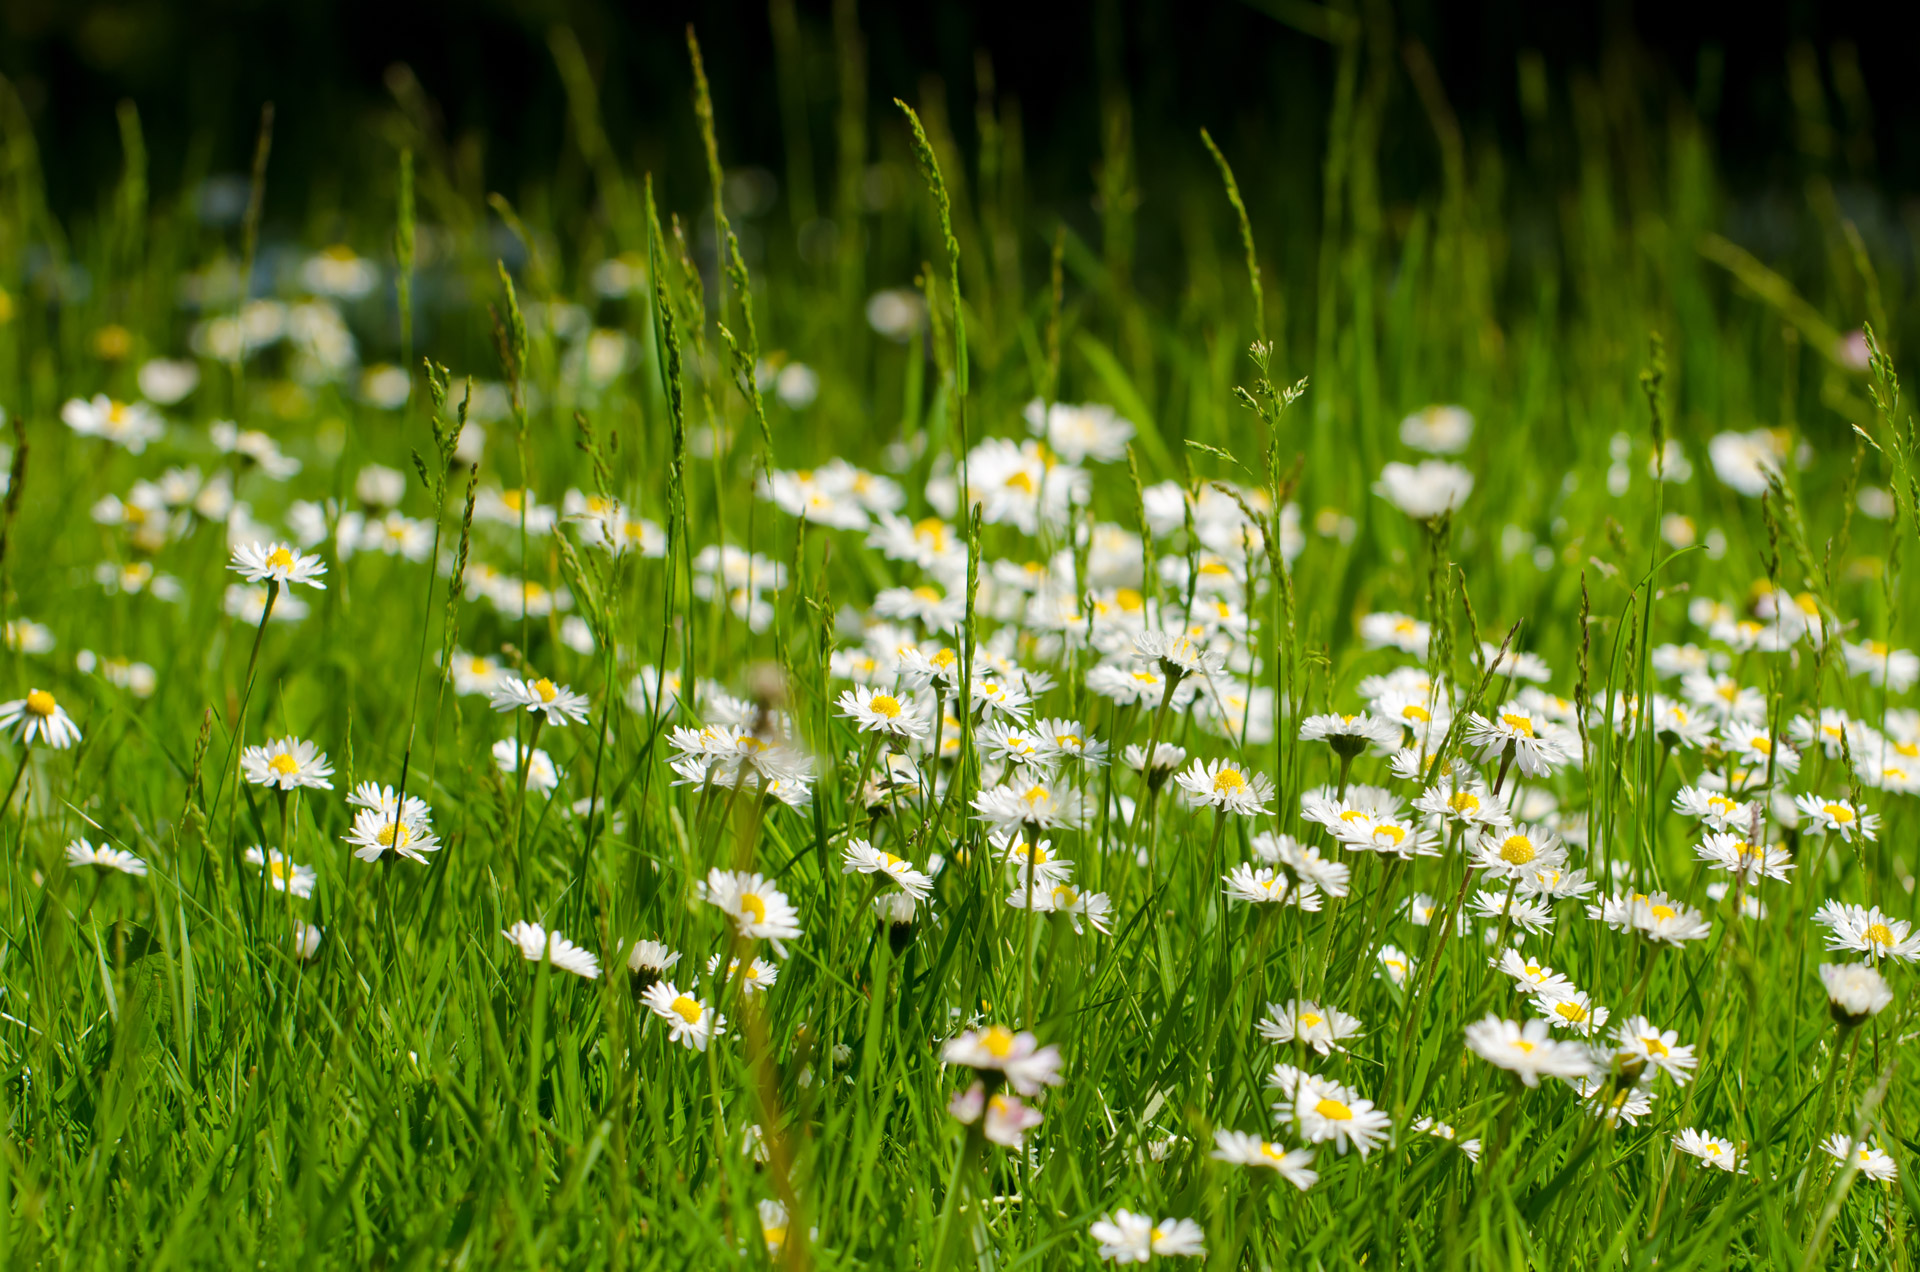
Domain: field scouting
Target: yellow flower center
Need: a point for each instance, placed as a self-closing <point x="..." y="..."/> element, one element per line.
<point x="998" y="1041"/>
<point x="388" y="832"/>
<point x="885" y="705"/>
<point x="1464" y="802"/>
<point x="753" y="905"/>
<point x="1228" y="780"/>
<point x="1309" y="1020"/>
<point x="688" y="1010"/>
<point x="1521" y="1044"/>
<point x="1655" y="1047"/>
<point x="284" y="764"/>
<point x="1517" y="850"/>
<point x="1880" y="934"/>
<point x="280" y="559"/>
<point x="1066" y="741"/>
<point x="1763" y="745"/>
<point x="1333" y="1111"/>
<point x="1414" y="711"/>
<point x="1839" y="812"/>
<point x="1020" y="481"/>
<point x="1391" y="833"/>
<point x="1520" y="724"/>
<point x="1129" y="599"/>
<point x="1662" y="911"/>
<point x="1065" y="898"/>
<point x="1035" y="795"/>
<point x="480" y="667"/>
<point x="1571" y="1011"/>
<point x="1271" y="1151"/>
<point x="41" y="703"/>
<point x="890" y="861"/>
<point x="1721" y="804"/>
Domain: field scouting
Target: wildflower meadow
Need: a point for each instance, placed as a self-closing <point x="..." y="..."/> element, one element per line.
<point x="634" y="730"/>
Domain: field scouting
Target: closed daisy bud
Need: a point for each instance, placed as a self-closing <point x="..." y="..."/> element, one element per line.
<point x="1855" y="992"/>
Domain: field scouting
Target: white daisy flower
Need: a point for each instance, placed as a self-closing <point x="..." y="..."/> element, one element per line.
<point x="1224" y="785"/>
<point x="557" y="703"/>
<point x="1855" y="991"/>
<point x="1240" y="1149"/>
<point x="1426" y="489"/>
<point x="863" y="858"/>
<point x="690" y="1021"/>
<point x="80" y="853"/>
<point x="37" y="717"/>
<point x="1640" y="1040"/>
<point x="1527" y="1050"/>
<point x="282" y="875"/>
<point x="1736" y="856"/>
<point x="536" y="943"/>
<point x="1321" y="1028"/>
<point x="1027" y="1065"/>
<point x="1836" y="817"/>
<point x="1869" y="930"/>
<point x="1125" y="1237"/>
<point x="1709" y="1148"/>
<point x="1324" y="1110"/>
<point x="287" y="764"/>
<point x="260" y="562"/>
<point x="759" y="910"/>
<point x="1263" y="886"/>
<point x="1866" y="1156"/>
<point x="376" y="832"/>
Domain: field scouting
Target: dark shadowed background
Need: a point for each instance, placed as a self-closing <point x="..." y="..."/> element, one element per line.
<point x="1779" y="87"/>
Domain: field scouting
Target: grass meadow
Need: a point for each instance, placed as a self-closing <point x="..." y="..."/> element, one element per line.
<point x="1355" y="719"/>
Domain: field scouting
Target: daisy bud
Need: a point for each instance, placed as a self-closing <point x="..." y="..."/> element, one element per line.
<point x="1855" y="992"/>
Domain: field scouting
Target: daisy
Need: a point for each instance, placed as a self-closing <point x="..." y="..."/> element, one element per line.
<point x="542" y="774"/>
<point x="1426" y="489"/>
<point x="536" y="943"/>
<point x="1464" y="801"/>
<point x="376" y="832"/>
<point x="863" y="858"/>
<point x="1166" y="759"/>
<point x="1395" y="631"/>
<point x="305" y="939"/>
<point x="1640" y="1041"/>
<point x="1519" y="852"/>
<point x="81" y="853"/>
<point x="1010" y="744"/>
<point x="258" y="563"/>
<point x="1530" y="976"/>
<point x="1867" y="1157"/>
<point x="1224" y="785"/>
<point x="1438" y="430"/>
<point x="282" y="875"/>
<point x="1736" y="856"/>
<point x="1440" y="1130"/>
<point x="1178" y="654"/>
<point x="1125" y="1237"/>
<point x="1037" y="859"/>
<point x="1007" y="1118"/>
<point x="1069" y="740"/>
<point x="1349" y="735"/>
<point x="1064" y="898"/>
<point x="1759" y="749"/>
<point x="1028" y="1066"/>
<point x="1534" y="744"/>
<point x="557" y="703"/>
<point x="1318" y="1027"/>
<point x="690" y="1022"/>
<point x="1306" y="863"/>
<point x="759" y="910"/>
<point x="383" y="799"/>
<point x="1838" y="817"/>
<point x="884" y="713"/>
<point x="1396" y="963"/>
<point x="1897" y="669"/>
<point x="1571" y="1009"/>
<point x="934" y="610"/>
<point x="1263" y="886"/>
<point x="1012" y="804"/>
<point x="758" y="977"/>
<point x="1656" y="916"/>
<point x="1855" y="991"/>
<point x="128" y="424"/>
<point x="1717" y="809"/>
<point x="38" y="716"/>
<point x="1525" y="912"/>
<point x="1878" y="935"/>
<point x="647" y="963"/>
<point x="1527" y="1050"/>
<point x="1325" y="1110"/>
<point x="1076" y="434"/>
<point x="1240" y="1149"/>
<point x="1710" y="1149"/>
<point x="286" y="765"/>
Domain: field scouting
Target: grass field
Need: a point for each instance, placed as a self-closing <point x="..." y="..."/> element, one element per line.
<point x="583" y="732"/>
